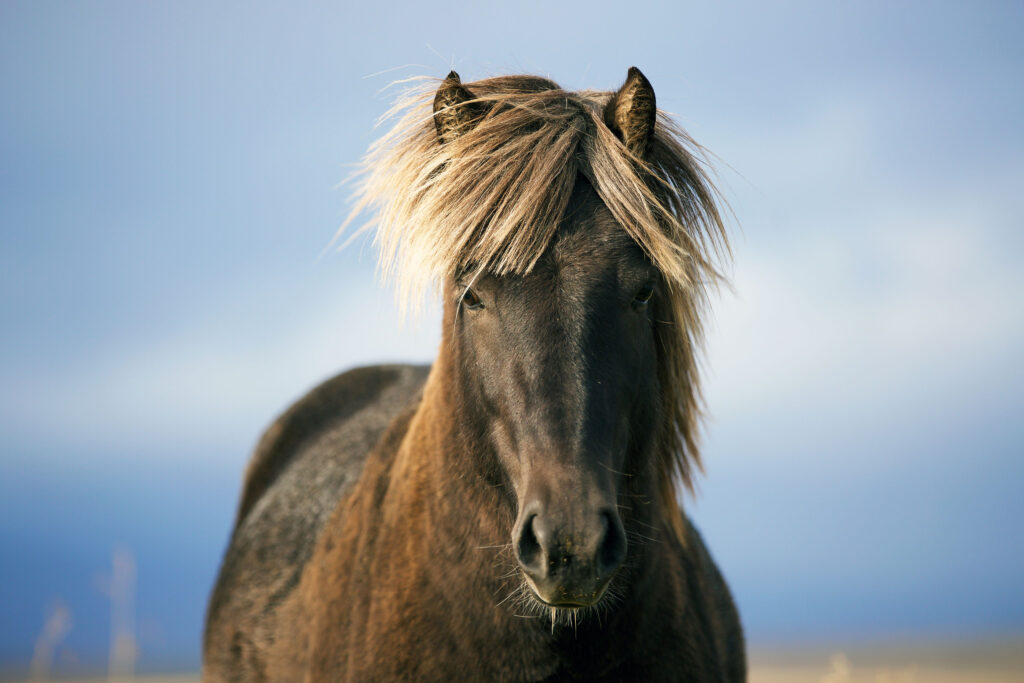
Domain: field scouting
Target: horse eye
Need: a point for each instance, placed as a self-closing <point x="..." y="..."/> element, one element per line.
<point x="471" y="301"/>
<point x="644" y="295"/>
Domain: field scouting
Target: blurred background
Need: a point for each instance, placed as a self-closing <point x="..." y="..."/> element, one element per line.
<point x="169" y="182"/>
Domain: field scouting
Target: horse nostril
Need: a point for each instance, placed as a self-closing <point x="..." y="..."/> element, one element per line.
<point x="612" y="550"/>
<point x="528" y="547"/>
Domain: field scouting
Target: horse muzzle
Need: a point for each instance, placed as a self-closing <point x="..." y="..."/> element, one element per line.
<point x="568" y="561"/>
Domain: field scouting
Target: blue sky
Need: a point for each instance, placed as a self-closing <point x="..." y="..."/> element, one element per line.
<point x="168" y="181"/>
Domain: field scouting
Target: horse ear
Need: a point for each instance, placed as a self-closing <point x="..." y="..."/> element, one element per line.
<point x="631" y="112"/>
<point x="455" y="112"/>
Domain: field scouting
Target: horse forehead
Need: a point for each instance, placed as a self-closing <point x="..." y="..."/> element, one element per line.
<point x="589" y="243"/>
<point x="589" y="247"/>
<point x="579" y="271"/>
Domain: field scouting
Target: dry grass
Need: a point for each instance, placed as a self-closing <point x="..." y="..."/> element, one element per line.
<point x="995" y="661"/>
<point x="781" y="674"/>
<point x="175" y="678"/>
<point x="914" y="674"/>
<point x="804" y="673"/>
<point x="955" y="662"/>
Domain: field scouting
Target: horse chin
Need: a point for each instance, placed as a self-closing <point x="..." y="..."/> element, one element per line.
<point x="558" y="598"/>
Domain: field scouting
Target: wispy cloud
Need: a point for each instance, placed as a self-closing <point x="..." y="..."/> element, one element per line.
<point x="214" y="384"/>
<point x="862" y="278"/>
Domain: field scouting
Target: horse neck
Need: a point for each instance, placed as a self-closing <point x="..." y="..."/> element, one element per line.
<point x="449" y="468"/>
<point x="450" y="485"/>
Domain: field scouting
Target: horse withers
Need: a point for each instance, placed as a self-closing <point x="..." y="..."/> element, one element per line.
<point x="511" y="512"/>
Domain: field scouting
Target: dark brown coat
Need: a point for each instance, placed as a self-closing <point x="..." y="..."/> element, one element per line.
<point x="509" y="513"/>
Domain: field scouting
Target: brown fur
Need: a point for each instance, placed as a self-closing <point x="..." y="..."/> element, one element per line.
<point x="372" y="542"/>
<point x="454" y="111"/>
<point x="632" y="113"/>
<point x="375" y="601"/>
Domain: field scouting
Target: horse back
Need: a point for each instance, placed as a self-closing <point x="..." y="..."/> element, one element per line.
<point x="303" y="467"/>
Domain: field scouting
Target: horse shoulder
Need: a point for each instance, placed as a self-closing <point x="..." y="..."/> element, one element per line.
<point x="714" y="608"/>
<point x="328" y="405"/>
<point x="301" y="471"/>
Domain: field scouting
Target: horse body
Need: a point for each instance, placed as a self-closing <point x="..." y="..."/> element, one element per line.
<point x="310" y="590"/>
<point x="305" y="464"/>
<point x="510" y="513"/>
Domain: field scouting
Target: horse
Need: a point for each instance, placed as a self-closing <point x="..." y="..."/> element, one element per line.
<point x="511" y="512"/>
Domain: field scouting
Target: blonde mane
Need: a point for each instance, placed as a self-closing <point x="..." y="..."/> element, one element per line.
<point x="492" y="198"/>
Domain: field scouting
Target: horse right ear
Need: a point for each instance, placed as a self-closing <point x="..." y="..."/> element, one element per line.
<point x="632" y="111"/>
<point x="455" y="112"/>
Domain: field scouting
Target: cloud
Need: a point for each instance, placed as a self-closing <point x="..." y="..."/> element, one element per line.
<point x="916" y="296"/>
<point x="217" y="383"/>
<point x="864" y="279"/>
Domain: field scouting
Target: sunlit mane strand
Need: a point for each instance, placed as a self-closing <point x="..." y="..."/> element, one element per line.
<point x="492" y="197"/>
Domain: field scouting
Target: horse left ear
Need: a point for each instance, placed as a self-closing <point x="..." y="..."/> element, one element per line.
<point x="455" y="112"/>
<point x="631" y="112"/>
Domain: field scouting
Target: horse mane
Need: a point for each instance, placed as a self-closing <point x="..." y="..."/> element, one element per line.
<point x="492" y="199"/>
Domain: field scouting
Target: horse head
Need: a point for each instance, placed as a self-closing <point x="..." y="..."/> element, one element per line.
<point x="557" y="367"/>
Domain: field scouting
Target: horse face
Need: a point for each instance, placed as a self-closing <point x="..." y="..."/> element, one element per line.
<point x="560" y="367"/>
